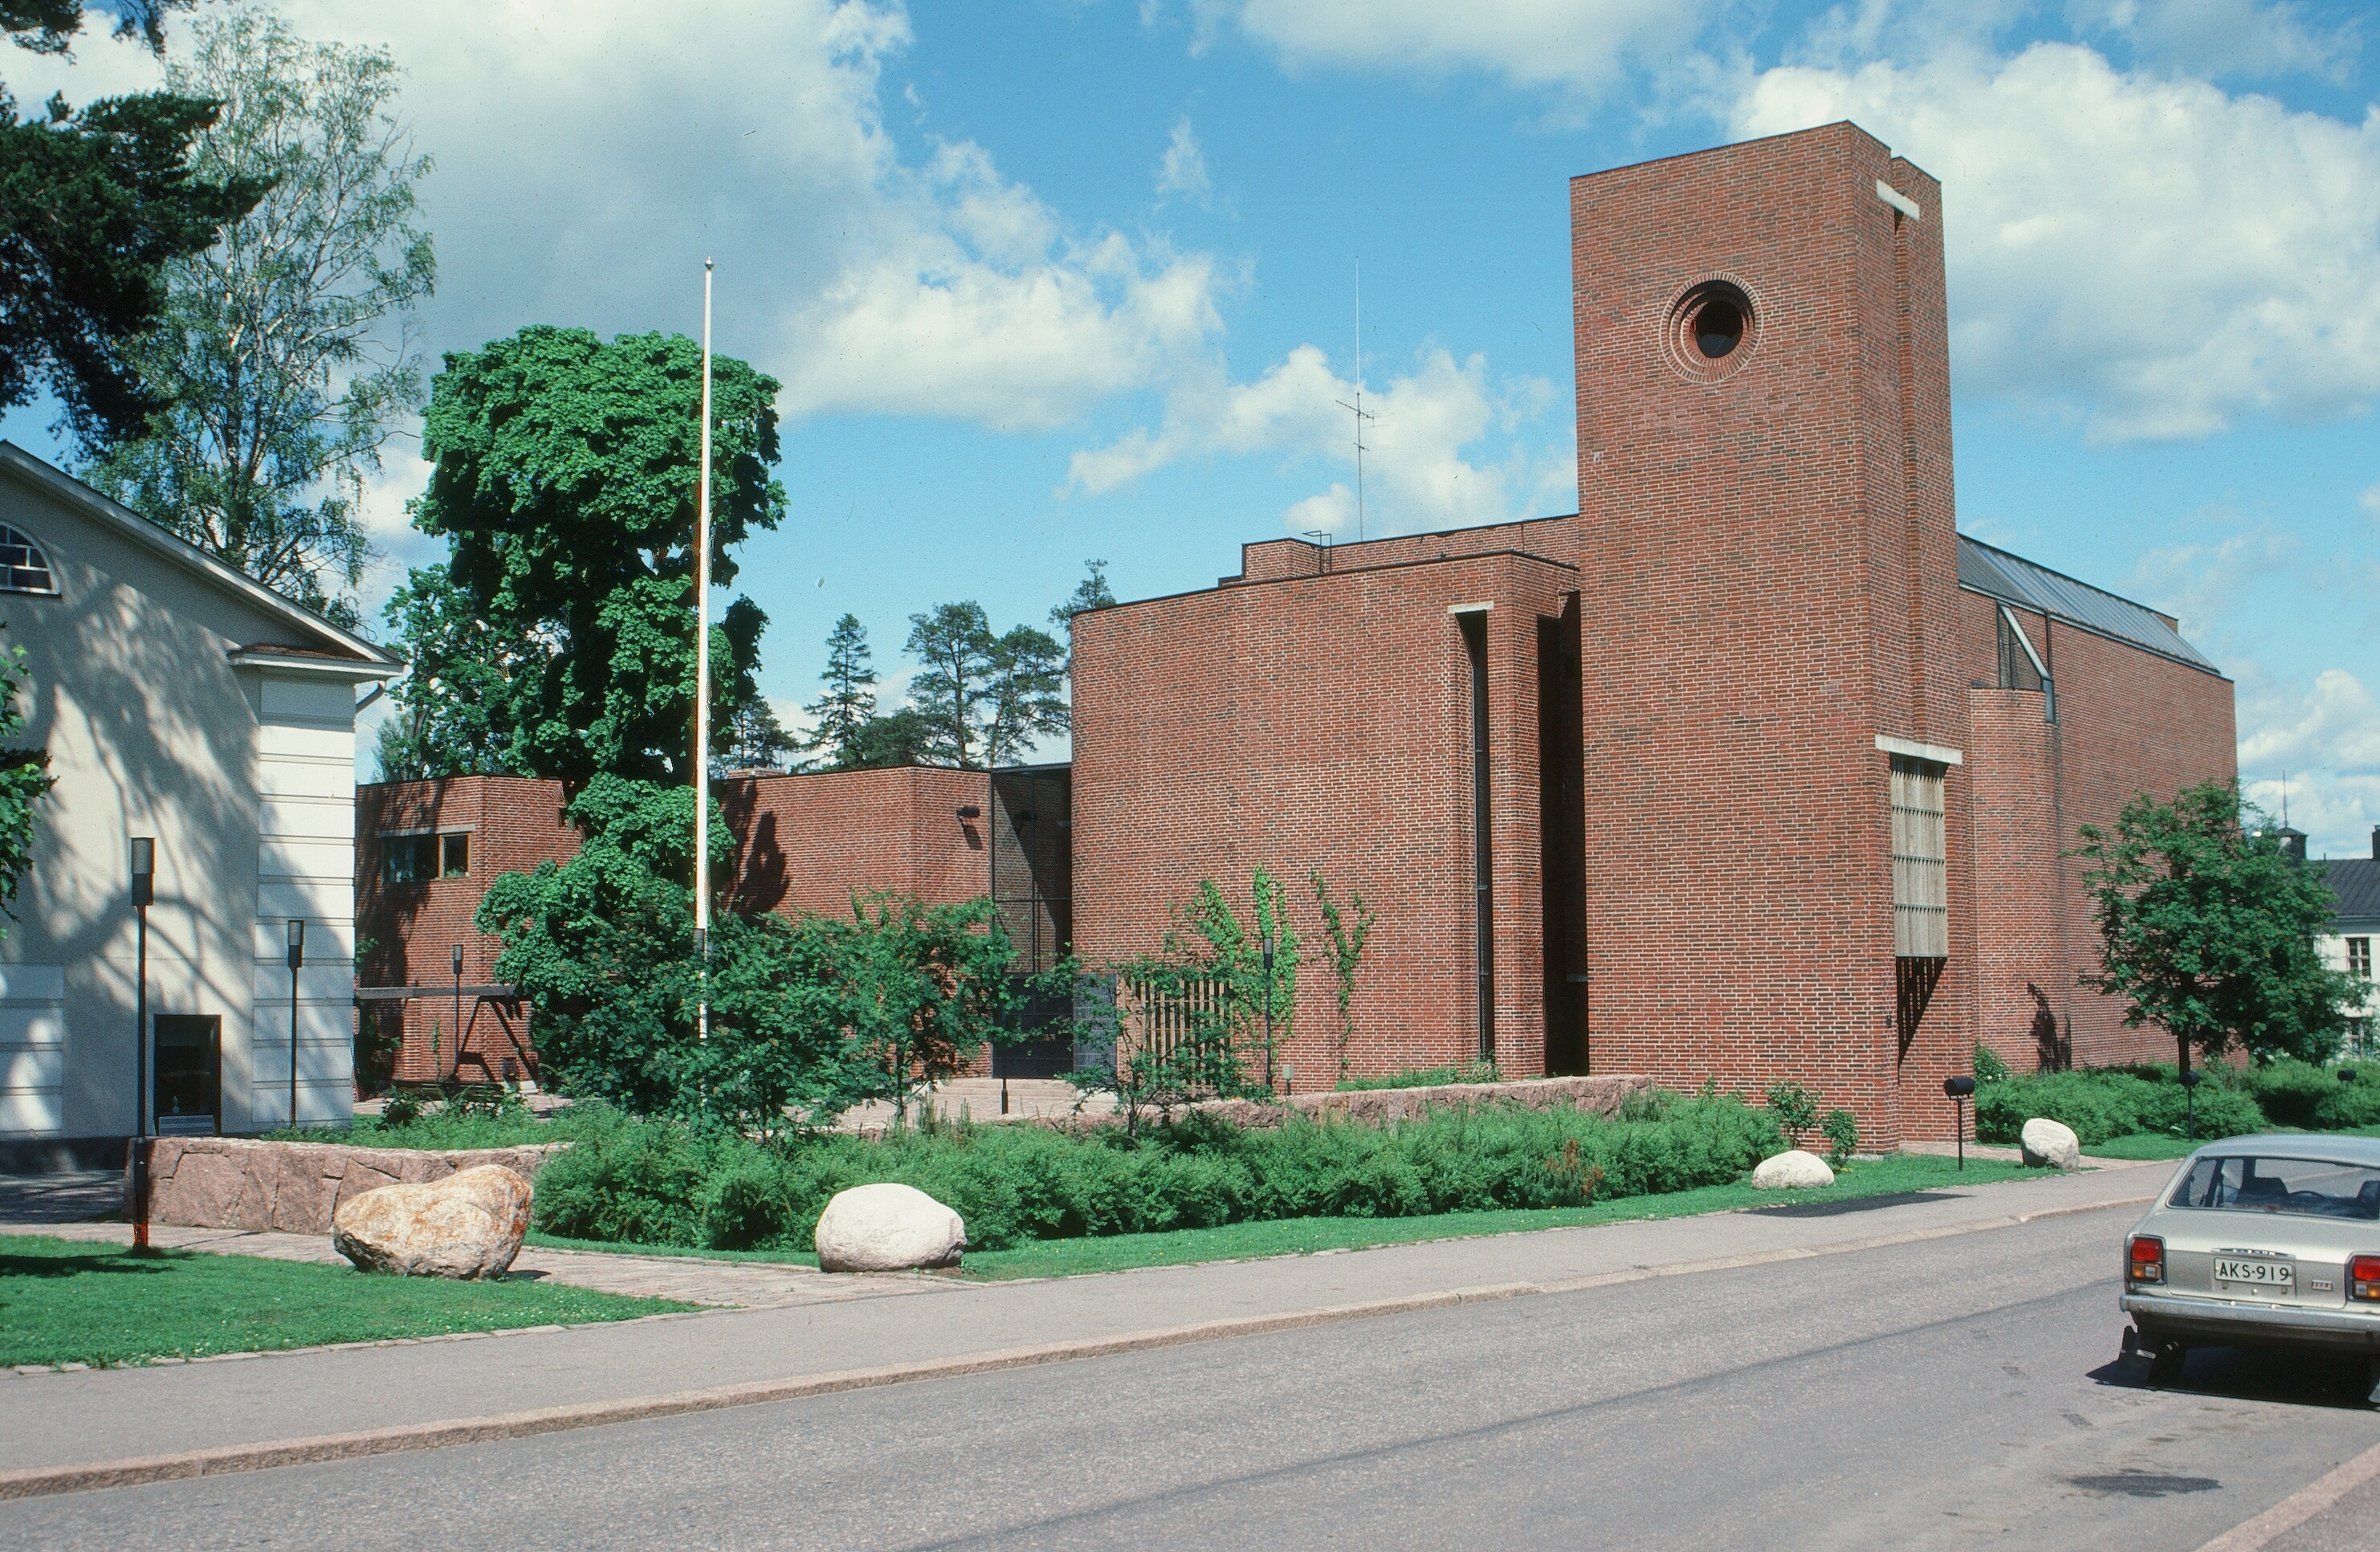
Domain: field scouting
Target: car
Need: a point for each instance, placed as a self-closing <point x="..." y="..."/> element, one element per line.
<point x="2269" y="1242"/>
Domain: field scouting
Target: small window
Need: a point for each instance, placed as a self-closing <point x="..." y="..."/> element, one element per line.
<point x="1920" y="913"/>
<point x="23" y="567"/>
<point x="409" y="860"/>
<point x="2312" y="1187"/>
<point x="454" y="856"/>
<point x="2359" y="957"/>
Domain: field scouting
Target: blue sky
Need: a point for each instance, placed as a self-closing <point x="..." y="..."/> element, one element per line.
<point x="1060" y="280"/>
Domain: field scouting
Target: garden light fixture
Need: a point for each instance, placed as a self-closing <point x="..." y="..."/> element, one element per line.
<point x="296" y="963"/>
<point x="144" y="894"/>
<point x="1958" y="1086"/>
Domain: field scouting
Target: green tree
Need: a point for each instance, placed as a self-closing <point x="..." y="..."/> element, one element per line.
<point x="93" y="205"/>
<point x="24" y="780"/>
<point x="849" y="701"/>
<point x="924" y="987"/>
<point x="892" y="739"/>
<point x="954" y="645"/>
<point x="278" y="395"/>
<point x="557" y="640"/>
<point x="2208" y="927"/>
<point x="756" y="740"/>
<point x="1028" y="694"/>
<point x="1091" y="592"/>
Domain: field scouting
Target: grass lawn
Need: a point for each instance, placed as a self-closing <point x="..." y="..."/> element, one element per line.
<point x="1303" y="1236"/>
<point x="72" y="1302"/>
<point x="2157" y="1145"/>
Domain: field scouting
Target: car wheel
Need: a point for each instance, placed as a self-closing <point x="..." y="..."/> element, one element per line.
<point x="2165" y="1368"/>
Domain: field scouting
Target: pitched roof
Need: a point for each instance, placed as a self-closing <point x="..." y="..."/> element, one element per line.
<point x="2356" y="881"/>
<point x="313" y="637"/>
<point x="2013" y="579"/>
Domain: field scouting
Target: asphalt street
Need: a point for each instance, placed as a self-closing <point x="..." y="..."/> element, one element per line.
<point x="1948" y="1392"/>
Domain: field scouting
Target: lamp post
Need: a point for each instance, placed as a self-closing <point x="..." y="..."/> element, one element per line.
<point x="1267" y="942"/>
<point x="144" y="894"/>
<point x="2190" y="1081"/>
<point x="1958" y="1087"/>
<point x="296" y="963"/>
<point x="455" y="959"/>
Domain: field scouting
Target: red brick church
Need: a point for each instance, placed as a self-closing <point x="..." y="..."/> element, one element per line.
<point x="1752" y="767"/>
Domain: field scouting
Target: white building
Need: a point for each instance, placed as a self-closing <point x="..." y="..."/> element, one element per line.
<point x="2348" y="946"/>
<point x="177" y="699"/>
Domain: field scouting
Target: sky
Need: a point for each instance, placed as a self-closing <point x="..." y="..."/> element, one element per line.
<point x="1069" y="279"/>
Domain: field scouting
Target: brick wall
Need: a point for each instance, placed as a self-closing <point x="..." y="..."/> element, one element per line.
<point x="1324" y="721"/>
<point x="804" y="843"/>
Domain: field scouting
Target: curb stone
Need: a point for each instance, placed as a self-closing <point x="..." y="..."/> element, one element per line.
<point x="222" y="1460"/>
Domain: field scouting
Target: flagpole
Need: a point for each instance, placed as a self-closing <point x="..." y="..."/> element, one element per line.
<point x="702" y="690"/>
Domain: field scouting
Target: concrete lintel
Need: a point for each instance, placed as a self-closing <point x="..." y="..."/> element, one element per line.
<point x="1937" y="753"/>
<point x="1898" y="200"/>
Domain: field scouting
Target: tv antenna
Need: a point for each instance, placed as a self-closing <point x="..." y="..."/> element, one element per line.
<point x="1357" y="408"/>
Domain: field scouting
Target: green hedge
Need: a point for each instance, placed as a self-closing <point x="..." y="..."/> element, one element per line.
<point x="2296" y="1093"/>
<point x="662" y="1184"/>
<point x="2113" y="1102"/>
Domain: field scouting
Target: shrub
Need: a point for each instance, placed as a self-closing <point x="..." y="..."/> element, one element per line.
<point x="1426" y="1077"/>
<point x="2296" y="1093"/>
<point x="2099" y="1105"/>
<point x="1842" y="1137"/>
<point x="665" y="1182"/>
<point x="1795" y="1108"/>
<point x="1989" y="1068"/>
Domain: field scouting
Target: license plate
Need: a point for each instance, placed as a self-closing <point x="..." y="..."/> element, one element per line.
<point x="2274" y="1275"/>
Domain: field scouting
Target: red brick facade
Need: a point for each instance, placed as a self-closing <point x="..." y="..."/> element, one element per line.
<point x="1690" y="870"/>
<point x="1689" y="695"/>
<point x="804" y="843"/>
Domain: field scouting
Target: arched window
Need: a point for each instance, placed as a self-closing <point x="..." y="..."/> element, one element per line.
<point x="23" y="567"/>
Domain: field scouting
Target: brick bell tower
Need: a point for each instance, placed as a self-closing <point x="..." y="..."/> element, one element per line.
<point x="1772" y="722"/>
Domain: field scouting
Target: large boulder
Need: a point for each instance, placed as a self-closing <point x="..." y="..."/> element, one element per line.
<point x="1792" y="1171"/>
<point x="469" y="1225"/>
<point x="2049" y="1144"/>
<point x="887" y="1229"/>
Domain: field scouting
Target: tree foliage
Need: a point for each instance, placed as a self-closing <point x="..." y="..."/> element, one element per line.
<point x="849" y="702"/>
<point x="2208" y="927"/>
<point x="93" y="205"/>
<point x="279" y="388"/>
<point x="984" y="697"/>
<point x="1348" y="929"/>
<point x="557" y="639"/>
<point x="1091" y="592"/>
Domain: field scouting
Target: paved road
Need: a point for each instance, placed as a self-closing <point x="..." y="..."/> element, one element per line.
<point x="1948" y="1392"/>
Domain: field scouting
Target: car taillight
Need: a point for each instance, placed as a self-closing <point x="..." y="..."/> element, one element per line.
<point x="2363" y="1277"/>
<point x="2147" y="1261"/>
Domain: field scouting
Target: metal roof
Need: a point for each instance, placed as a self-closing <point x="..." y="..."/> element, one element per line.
<point x="2013" y="578"/>
<point x="2356" y="881"/>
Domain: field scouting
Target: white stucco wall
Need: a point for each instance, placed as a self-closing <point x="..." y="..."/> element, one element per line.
<point x="244" y="775"/>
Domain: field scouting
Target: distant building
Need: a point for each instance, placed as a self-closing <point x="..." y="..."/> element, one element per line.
<point x="180" y="701"/>
<point x="2347" y="945"/>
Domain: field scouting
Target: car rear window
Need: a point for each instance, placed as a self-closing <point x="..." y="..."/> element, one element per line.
<point x="2319" y="1188"/>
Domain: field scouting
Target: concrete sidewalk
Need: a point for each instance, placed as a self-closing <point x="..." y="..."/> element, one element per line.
<point x="68" y="1418"/>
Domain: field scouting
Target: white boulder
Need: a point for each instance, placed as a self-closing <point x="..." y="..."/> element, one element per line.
<point x="469" y="1225"/>
<point x="887" y="1227"/>
<point x="1792" y="1171"/>
<point x="2048" y="1144"/>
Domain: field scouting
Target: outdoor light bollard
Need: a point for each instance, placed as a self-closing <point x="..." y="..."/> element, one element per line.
<point x="296" y="963"/>
<point x="144" y="894"/>
<point x="457" y="959"/>
<point x="1958" y="1086"/>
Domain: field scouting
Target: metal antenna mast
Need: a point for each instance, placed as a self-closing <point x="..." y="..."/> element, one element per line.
<point x="1358" y="405"/>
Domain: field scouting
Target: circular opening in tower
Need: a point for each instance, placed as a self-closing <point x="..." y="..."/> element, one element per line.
<point x="1718" y="327"/>
<point x="1712" y="329"/>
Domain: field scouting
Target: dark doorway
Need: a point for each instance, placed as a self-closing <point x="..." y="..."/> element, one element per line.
<point x="1561" y="770"/>
<point x="189" y="1074"/>
<point x="1032" y="824"/>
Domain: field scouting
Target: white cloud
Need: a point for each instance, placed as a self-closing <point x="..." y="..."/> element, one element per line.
<point x="1415" y="470"/>
<point x="2203" y="584"/>
<point x="2369" y="502"/>
<point x="2322" y="740"/>
<point x="1578" y="48"/>
<point x="590" y="158"/>
<point x="1182" y="169"/>
<point x="2223" y="37"/>
<point x="2154" y="255"/>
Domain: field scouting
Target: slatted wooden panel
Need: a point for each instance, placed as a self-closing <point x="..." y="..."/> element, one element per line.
<point x="1920" y="913"/>
<point x="1170" y="1018"/>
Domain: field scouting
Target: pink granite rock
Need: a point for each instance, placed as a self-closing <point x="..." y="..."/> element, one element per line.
<point x="468" y="1226"/>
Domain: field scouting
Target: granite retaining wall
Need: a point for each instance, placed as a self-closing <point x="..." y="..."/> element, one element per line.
<point x="226" y="1183"/>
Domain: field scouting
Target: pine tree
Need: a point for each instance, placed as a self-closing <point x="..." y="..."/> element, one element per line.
<point x="953" y="646"/>
<point x="849" y="701"/>
<point x="1028" y="694"/>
